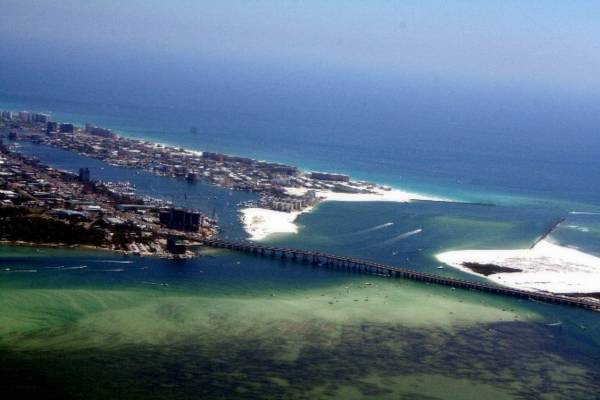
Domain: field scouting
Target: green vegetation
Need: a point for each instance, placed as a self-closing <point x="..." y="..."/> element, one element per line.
<point x="28" y="225"/>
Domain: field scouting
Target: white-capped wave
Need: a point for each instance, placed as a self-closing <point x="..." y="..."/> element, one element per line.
<point x="577" y="228"/>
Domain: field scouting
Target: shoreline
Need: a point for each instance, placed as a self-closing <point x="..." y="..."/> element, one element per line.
<point x="259" y="222"/>
<point x="546" y="267"/>
<point x="376" y="195"/>
<point x="84" y="247"/>
<point x="285" y="191"/>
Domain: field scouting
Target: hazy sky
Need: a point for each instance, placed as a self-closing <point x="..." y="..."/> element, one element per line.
<point x="548" y="43"/>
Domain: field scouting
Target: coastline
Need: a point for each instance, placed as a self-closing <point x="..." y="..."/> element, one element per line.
<point x="84" y="247"/>
<point x="547" y="267"/>
<point x="259" y="223"/>
<point x="285" y="190"/>
<point x="377" y="194"/>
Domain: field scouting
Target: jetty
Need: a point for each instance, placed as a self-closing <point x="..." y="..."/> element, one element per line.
<point x="548" y="231"/>
<point x="352" y="264"/>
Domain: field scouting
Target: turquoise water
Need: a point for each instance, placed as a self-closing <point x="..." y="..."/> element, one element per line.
<point x="471" y="143"/>
<point x="231" y="325"/>
<point x="225" y="325"/>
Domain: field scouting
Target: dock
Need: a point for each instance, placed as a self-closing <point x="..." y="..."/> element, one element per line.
<point x="352" y="264"/>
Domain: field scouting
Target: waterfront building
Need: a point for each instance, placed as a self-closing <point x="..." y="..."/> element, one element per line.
<point x="51" y="127"/>
<point x="328" y="176"/>
<point x="66" y="128"/>
<point x="181" y="219"/>
<point x="84" y="175"/>
<point x="97" y="131"/>
<point x="175" y="246"/>
<point x="192" y="177"/>
<point x="7" y="115"/>
<point x="41" y="118"/>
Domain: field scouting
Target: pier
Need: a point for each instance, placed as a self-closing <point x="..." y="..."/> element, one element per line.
<point x="370" y="267"/>
<point x="548" y="231"/>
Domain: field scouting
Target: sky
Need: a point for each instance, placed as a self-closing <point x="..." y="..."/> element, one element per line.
<point x="545" y="43"/>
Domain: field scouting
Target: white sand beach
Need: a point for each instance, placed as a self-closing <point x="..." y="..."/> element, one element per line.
<point x="261" y="222"/>
<point x="392" y="195"/>
<point x="547" y="267"/>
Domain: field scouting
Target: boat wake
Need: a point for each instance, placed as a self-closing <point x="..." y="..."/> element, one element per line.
<point x="9" y="270"/>
<point x="77" y="267"/>
<point x="111" y="262"/>
<point x="400" y="237"/>
<point x="372" y="229"/>
<point x="108" y="270"/>
<point x="583" y="213"/>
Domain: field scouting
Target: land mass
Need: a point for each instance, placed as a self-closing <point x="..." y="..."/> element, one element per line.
<point x="45" y="206"/>
<point x="488" y="269"/>
<point x="281" y="188"/>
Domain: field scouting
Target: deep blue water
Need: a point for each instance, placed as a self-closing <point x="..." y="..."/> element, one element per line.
<point x="532" y="153"/>
<point x="466" y="141"/>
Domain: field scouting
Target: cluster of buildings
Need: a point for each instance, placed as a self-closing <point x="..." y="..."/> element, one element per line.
<point x="239" y="173"/>
<point x="288" y="203"/>
<point x="182" y="219"/>
<point x="24" y="116"/>
<point x="98" y="131"/>
<point x="109" y="211"/>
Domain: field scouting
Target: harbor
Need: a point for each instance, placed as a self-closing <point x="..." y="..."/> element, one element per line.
<point x="45" y="206"/>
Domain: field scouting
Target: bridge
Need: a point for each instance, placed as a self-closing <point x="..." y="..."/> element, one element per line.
<point x="371" y="267"/>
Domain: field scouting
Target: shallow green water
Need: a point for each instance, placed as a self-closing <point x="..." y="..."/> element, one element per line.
<point x="236" y="326"/>
<point x="79" y="324"/>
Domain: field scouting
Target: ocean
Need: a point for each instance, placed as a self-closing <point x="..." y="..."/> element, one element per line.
<point x="230" y="325"/>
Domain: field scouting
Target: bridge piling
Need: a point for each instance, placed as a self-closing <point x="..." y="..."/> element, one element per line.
<point x="363" y="266"/>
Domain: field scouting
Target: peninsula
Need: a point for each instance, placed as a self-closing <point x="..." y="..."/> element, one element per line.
<point x="44" y="206"/>
<point x="284" y="191"/>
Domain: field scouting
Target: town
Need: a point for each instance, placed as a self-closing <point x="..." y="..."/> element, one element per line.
<point x="268" y="179"/>
<point x="46" y="206"/>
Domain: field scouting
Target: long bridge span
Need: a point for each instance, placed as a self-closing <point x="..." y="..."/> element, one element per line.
<point x="371" y="267"/>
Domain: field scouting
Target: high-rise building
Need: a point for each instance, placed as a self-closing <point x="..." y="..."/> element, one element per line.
<point x="178" y="218"/>
<point x="51" y="127"/>
<point x="66" y="128"/>
<point x="7" y="115"/>
<point x="84" y="175"/>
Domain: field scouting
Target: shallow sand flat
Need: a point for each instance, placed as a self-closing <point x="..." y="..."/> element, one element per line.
<point x="74" y="318"/>
<point x="546" y="267"/>
<point x="261" y="222"/>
